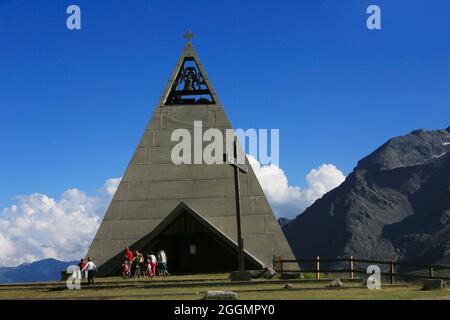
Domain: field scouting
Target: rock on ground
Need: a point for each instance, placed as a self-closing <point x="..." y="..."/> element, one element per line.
<point x="336" y="283"/>
<point x="220" y="295"/>
<point x="269" y="273"/>
<point x="266" y="273"/>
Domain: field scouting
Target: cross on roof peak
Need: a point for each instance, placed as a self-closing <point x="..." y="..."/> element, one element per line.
<point x="188" y="36"/>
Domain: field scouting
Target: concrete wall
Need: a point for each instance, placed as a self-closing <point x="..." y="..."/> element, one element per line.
<point x="153" y="186"/>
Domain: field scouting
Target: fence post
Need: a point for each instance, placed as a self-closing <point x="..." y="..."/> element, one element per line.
<point x="318" y="268"/>
<point x="351" y="267"/>
<point x="431" y="272"/>
<point x="392" y="272"/>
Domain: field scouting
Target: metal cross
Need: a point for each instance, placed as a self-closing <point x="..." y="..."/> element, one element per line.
<point x="188" y="36"/>
<point x="234" y="162"/>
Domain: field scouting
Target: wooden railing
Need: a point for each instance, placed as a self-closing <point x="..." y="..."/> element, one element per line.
<point x="350" y="264"/>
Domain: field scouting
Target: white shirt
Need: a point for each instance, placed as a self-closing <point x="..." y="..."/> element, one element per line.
<point x="162" y="256"/>
<point x="89" y="266"/>
<point x="152" y="258"/>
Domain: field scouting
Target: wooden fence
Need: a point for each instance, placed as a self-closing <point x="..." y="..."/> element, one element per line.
<point x="350" y="267"/>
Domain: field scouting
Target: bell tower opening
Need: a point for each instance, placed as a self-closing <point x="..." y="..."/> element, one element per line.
<point x="189" y="86"/>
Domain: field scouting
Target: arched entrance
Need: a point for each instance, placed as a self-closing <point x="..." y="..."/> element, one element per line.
<point x="193" y="245"/>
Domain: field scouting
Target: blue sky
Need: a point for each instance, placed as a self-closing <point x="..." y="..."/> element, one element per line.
<point x="73" y="104"/>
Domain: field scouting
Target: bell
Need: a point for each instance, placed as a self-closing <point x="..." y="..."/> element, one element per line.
<point x="189" y="79"/>
<point x="188" y="84"/>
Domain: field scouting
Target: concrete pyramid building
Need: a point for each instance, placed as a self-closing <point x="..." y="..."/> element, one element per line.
<point x="187" y="209"/>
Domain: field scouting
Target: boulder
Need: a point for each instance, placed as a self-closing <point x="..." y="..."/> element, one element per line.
<point x="266" y="273"/>
<point x="336" y="283"/>
<point x="220" y="295"/>
<point x="288" y="286"/>
<point x="434" y="284"/>
<point x="269" y="273"/>
<point x="256" y="273"/>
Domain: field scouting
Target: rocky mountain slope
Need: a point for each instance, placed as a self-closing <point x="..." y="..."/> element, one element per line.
<point x="394" y="205"/>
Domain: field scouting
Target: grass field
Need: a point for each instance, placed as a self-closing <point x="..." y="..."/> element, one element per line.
<point x="194" y="288"/>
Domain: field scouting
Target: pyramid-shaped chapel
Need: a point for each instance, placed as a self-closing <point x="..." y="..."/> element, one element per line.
<point x="189" y="210"/>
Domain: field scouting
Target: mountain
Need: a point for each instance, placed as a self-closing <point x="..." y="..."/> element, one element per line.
<point x="394" y="205"/>
<point x="38" y="271"/>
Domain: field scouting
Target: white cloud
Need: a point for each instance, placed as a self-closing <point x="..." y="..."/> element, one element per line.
<point x="111" y="186"/>
<point x="39" y="227"/>
<point x="289" y="201"/>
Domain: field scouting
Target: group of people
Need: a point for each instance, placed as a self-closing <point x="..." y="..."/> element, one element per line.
<point x="139" y="265"/>
<point x="135" y="265"/>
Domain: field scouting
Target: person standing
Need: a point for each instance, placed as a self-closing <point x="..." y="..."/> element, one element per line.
<point x="153" y="263"/>
<point x="81" y="265"/>
<point x="128" y="254"/>
<point x="162" y="263"/>
<point x="141" y="262"/>
<point x="91" y="269"/>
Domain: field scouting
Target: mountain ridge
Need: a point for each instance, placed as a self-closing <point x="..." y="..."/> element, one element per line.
<point x="38" y="271"/>
<point x="395" y="205"/>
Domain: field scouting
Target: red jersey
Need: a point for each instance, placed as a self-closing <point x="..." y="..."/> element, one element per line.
<point x="129" y="255"/>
